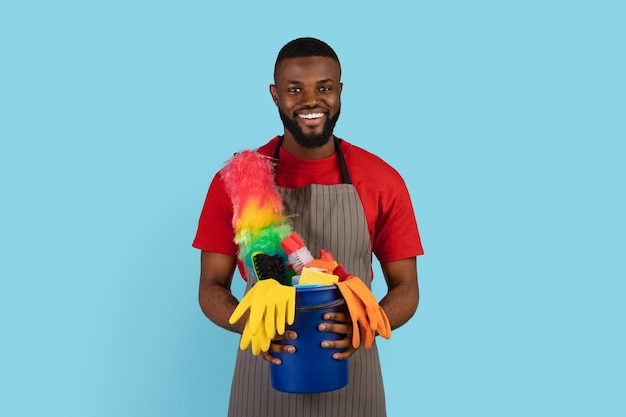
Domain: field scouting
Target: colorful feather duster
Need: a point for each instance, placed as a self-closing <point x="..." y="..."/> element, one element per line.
<point x="258" y="217"/>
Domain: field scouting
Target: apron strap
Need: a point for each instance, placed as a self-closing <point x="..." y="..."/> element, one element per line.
<point x="345" y="175"/>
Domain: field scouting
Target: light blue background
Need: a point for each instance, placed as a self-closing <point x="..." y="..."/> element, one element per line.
<point x="506" y="118"/>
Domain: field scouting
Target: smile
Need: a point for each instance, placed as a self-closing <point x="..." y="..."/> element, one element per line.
<point x="310" y="115"/>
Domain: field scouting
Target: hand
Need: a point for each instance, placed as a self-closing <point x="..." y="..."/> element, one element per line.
<point x="342" y="325"/>
<point x="280" y="347"/>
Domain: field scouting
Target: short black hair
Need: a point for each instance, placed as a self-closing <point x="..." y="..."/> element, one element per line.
<point x="303" y="47"/>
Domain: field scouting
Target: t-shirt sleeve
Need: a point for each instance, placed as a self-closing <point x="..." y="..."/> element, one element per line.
<point x="387" y="204"/>
<point x="215" y="231"/>
<point x="396" y="233"/>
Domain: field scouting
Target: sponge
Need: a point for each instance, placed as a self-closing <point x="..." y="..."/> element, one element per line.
<point x="311" y="276"/>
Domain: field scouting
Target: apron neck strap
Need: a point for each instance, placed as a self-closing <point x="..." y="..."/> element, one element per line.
<point x="345" y="175"/>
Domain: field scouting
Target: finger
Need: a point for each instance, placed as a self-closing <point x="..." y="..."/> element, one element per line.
<point x="282" y="348"/>
<point x="346" y="354"/>
<point x="288" y="335"/>
<point x="337" y="344"/>
<point x="270" y="321"/>
<point x="291" y="306"/>
<point x="256" y="345"/>
<point x="359" y="321"/>
<point x="356" y="336"/>
<point x="280" y="318"/>
<point x="263" y="291"/>
<point x="246" y="338"/>
<point x="372" y="317"/>
<point x="271" y="359"/>
<point x="265" y="342"/>
<point x="240" y="309"/>
<point x="260" y="342"/>
<point x="367" y="301"/>
<point x="257" y="312"/>
<point x="354" y="309"/>
<point x="341" y="328"/>
<point x="367" y="337"/>
<point x="338" y="316"/>
<point x="386" y="330"/>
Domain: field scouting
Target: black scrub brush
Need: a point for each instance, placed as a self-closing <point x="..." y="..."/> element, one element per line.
<point x="270" y="266"/>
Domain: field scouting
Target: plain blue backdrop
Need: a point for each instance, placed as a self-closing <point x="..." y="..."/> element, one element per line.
<point x="506" y="118"/>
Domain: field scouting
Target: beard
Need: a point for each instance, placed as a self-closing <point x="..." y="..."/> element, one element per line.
<point x="313" y="140"/>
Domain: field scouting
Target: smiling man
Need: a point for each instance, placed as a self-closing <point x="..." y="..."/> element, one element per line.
<point x="342" y="199"/>
<point x="307" y="92"/>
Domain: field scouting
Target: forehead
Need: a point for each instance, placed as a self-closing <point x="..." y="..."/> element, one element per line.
<point x="310" y="68"/>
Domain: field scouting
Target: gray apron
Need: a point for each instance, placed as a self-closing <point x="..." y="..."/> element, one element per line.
<point x="329" y="217"/>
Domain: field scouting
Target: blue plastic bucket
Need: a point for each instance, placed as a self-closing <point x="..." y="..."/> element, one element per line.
<point x="311" y="368"/>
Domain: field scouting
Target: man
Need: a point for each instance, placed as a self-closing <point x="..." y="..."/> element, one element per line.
<point x="346" y="201"/>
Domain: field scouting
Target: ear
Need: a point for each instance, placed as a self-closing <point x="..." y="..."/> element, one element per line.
<point x="340" y="87"/>
<point x="274" y="93"/>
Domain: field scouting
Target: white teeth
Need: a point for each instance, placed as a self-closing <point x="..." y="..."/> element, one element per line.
<point x="310" y="115"/>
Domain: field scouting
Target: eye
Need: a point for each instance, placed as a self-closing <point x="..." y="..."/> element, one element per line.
<point x="325" y="89"/>
<point x="293" y="90"/>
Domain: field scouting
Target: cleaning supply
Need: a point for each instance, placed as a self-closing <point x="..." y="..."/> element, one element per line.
<point x="311" y="368"/>
<point x="270" y="266"/>
<point x="298" y="254"/>
<point x="268" y="245"/>
<point x="339" y="270"/>
<point x="258" y="219"/>
<point x="323" y="265"/>
<point x="271" y="307"/>
<point x="368" y="318"/>
<point x="312" y="276"/>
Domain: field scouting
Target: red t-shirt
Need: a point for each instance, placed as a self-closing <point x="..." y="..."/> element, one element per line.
<point x="390" y="217"/>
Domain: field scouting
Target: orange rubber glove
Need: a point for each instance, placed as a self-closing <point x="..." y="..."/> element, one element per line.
<point x="358" y="313"/>
<point x="378" y="318"/>
<point x="368" y="317"/>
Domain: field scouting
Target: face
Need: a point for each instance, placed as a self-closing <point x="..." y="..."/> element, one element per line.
<point x="308" y="96"/>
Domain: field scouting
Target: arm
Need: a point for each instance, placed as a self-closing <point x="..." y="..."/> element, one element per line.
<point x="402" y="297"/>
<point x="399" y="304"/>
<point x="218" y="303"/>
<point x="216" y="299"/>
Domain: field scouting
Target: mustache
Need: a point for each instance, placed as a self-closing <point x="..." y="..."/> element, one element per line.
<point x="309" y="140"/>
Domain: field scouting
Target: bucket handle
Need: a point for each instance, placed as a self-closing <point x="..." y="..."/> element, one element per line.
<point x="330" y="304"/>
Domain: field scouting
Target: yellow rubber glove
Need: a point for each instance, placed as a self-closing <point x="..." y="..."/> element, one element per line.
<point x="260" y="341"/>
<point x="271" y="306"/>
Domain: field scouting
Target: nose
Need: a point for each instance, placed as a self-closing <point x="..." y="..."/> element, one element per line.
<point x="309" y="97"/>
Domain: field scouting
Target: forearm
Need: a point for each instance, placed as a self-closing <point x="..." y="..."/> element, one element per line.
<point x="218" y="304"/>
<point x="400" y="304"/>
<point x="216" y="300"/>
<point x="402" y="297"/>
